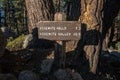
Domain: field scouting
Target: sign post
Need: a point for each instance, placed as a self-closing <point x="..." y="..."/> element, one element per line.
<point x="61" y="17"/>
<point x="61" y="31"/>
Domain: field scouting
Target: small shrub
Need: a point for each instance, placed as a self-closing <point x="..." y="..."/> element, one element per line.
<point x="10" y="39"/>
<point x="16" y="44"/>
<point x="117" y="45"/>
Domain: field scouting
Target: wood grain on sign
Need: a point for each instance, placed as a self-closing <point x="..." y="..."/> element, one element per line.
<point x="59" y="30"/>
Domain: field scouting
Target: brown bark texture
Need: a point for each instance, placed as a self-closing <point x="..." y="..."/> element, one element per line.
<point x="92" y="23"/>
<point x="96" y="18"/>
<point x="39" y="10"/>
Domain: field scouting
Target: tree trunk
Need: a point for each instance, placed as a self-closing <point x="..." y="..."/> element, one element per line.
<point x="91" y="20"/>
<point x="107" y="40"/>
<point x="39" y="10"/>
<point x="96" y="24"/>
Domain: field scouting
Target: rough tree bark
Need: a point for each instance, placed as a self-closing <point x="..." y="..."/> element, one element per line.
<point x="91" y="18"/>
<point x="39" y="10"/>
<point x="96" y="17"/>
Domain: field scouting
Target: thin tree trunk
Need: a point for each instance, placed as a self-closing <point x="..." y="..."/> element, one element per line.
<point x="106" y="40"/>
<point x="39" y="10"/>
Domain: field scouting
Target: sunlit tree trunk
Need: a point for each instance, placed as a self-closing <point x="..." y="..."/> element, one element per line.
<point x="96" y="18"/>
<point x="91" y="19"/>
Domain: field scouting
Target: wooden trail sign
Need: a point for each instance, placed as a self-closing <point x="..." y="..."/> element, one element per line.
<point x="59" y="30"/>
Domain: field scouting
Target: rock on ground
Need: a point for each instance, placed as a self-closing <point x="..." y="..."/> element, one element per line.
<point x="46" y="66"/>
<point x="67" y="74"/>
<point x="28" y="75"/>
<point x="28" y="41"/>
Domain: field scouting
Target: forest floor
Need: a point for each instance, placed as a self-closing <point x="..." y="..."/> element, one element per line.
<point x="30" y="59"/>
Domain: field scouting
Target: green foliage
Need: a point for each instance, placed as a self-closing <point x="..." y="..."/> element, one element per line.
<point x="15" y="15"/>
<point x="16" y="43"/>
<point x="117" y="45"/>
<point x="10" y="39"/>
